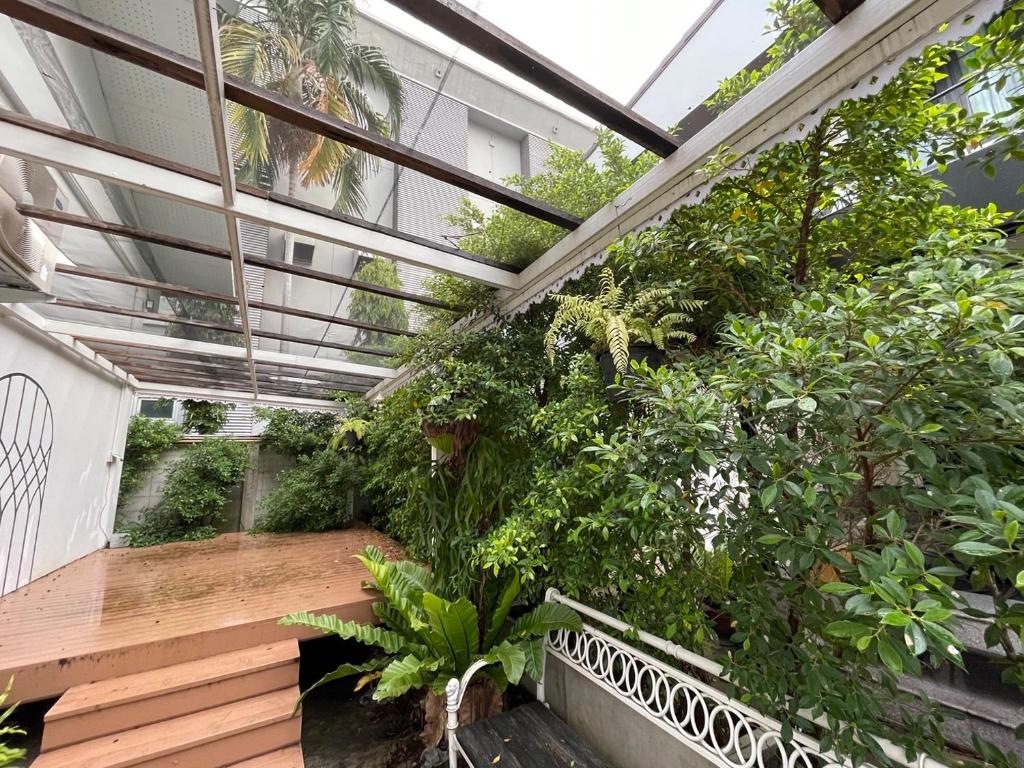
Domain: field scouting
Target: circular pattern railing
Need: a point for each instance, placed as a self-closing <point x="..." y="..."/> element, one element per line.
<point x="722" y="729"/>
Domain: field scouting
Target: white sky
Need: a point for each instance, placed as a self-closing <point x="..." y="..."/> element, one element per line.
<point x="611" y="44"/>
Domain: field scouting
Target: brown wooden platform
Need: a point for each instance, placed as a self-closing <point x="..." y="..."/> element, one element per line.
<point x="120" y="611"/>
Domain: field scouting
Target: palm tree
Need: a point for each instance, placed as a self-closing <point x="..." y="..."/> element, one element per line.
<point x="305" y="49"/>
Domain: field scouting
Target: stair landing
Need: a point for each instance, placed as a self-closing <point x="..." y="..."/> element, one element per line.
<point x="225" y="710"/>
<point x="121" y="611"/>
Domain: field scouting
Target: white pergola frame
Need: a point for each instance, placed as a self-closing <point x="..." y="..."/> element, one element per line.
<point x="846" y="60"/>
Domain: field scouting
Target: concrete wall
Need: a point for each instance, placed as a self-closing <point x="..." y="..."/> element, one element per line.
<point x="617" y="732"/>
<point x="243" y="507"/>
<point x="57" y="510"/>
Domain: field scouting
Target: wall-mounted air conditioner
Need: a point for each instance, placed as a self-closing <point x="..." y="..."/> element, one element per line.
<point x="27" y="255"/>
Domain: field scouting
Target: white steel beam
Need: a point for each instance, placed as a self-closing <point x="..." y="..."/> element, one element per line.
<point x="129" y="338"/>
<point x="154" y="389"/>
<point x="209" y="51"/>
<point x="40" y="147"/>
<point x="840" y="63"/>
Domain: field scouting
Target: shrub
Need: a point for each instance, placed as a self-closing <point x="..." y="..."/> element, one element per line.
<point x="194" y="495"/>
<point x="314" y="495"/>
<point x="203" y="417"/>
<point x="296" y="433"/>
<point x="147" y="440"/>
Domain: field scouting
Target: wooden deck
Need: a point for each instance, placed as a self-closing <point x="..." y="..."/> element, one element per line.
<point x="119" y="611"/>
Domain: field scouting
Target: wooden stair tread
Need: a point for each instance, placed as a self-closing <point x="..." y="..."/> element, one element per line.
<point x="158" y="682"/>
<point x="289" y="757"/>
<point x="530" y="736"/>
<point x="151" y="742"/>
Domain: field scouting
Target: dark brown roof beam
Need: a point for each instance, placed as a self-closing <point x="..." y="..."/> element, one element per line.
<point x="58" y="20"/>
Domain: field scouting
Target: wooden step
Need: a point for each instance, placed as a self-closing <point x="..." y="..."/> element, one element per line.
<point x="98" y="709"/>
<point x="219" y="736"/>
<point x="289" y="757"/>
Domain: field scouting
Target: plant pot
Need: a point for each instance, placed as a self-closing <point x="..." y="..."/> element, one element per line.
<point x="456" y="437"/>
<point x="654" y="357"/>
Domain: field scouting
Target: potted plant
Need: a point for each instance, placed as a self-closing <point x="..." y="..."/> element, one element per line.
<point x="623" y="328"/>
<point x="428" y="639"/>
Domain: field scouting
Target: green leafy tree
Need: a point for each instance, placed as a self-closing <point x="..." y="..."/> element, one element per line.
<point x="205" y="311"/>
<point x="147" y="440"/>
<point x="194" y="494"/>
<point x="569" y="181"/>
<point x="427" y="639"/>
<point x="204" y="417"/>
<point x="306" y="50"/>
<point x="379" y="310"/>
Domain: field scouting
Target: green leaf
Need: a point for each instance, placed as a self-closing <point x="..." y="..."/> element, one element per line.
<point x="837" y="588"/>
<point x="1019" y="583"/>
<point x="405" y="674"/>
<point x="1000" y="364"/>
<point x="977" y="549"/>
<point x="543" y="619"/>
<point x="895" y="619"/>
<point x="500" y="613"/>
<point x="847" y="629"/>
<point x="367" y="634"/>
<point x="1010" y="532"/>
<point x="914" y="553"/>
<point x="780" y="402"/>
<point x="889" y="655"/>
<point x="769" y="494"/>
<point x="807" y="404"/>
<point x="512" y="658"/>
<point x="771" y="539"/>
<point x="534" y="650"/>
<point x="453" y="632"/>
<point x="345" y="670"/>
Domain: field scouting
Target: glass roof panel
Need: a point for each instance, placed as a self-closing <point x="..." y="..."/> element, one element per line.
<point x="168" y="23"/>
<point x="91" y="92"/>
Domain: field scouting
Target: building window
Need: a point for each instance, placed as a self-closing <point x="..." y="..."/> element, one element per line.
<point x="302" y="254"/>
<point x="157" y="408"/>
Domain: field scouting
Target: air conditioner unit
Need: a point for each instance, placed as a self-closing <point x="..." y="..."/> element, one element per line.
<point x="27" y="255"/>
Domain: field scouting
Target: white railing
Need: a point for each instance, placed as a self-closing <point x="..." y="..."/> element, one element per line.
<point x="702" y="717"/>
<point x="724" y="730"/>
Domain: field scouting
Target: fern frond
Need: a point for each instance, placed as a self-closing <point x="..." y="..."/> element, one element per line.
<point x="618" y="342"/>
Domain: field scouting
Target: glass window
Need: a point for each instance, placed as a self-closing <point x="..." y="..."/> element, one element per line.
<point x="157" y="408"/>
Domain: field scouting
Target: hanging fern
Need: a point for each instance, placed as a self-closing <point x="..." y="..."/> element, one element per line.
<point x="612" y="323"/>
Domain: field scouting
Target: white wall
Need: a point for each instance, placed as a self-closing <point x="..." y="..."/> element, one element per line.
<point x="89" y="411"/>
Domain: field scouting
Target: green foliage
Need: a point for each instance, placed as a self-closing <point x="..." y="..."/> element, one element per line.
<point x="378" y="310"/>
<point x="853" y="440"/>
<point x="8" y="755"/>
<point x="296" y="433"/>
<point x="307" y="50"/>
<point x="568" y="181"/>
<point x="194" y="494"/>
<point x="314" y="495"/>
<point x="613" y="321"/>
<point x="793" y="25"/>
<point x="203" y="417"/>
<point x="428" y="639"/>
<point x="845" y="428"/>
<point x="206" y="311"/>
<point x="147" y="440"/>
